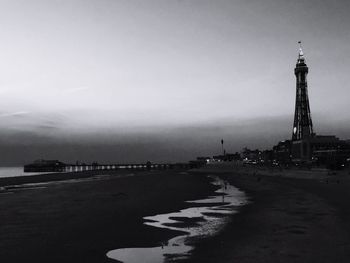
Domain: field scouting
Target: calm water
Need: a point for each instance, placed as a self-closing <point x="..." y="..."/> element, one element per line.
<point x="13" y="172"/>
<point x="211" y="218"/>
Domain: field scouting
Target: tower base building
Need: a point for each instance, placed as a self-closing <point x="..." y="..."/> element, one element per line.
<point x="306" y="146"/>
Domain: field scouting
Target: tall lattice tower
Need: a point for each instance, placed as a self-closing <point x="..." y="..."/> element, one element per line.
<point x="302" y="118"/>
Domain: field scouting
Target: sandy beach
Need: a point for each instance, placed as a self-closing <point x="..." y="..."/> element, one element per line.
<point x="80" y="222"/>
<point x="288" y="220"/>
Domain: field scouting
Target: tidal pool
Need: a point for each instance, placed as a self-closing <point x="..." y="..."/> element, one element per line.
<point x="198" y="221"/>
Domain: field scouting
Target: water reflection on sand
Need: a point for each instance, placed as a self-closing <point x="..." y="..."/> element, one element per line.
<point x="198" y="221"/>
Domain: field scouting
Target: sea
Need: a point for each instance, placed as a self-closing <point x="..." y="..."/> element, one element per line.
<point x="14" y="172"/>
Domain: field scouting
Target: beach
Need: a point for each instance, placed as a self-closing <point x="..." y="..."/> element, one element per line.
<point x="81" y="221"/>
<point x="287" y="219"/>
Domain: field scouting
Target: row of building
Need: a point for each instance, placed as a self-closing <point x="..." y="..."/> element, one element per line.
<point x="317" y="150"/>
<point x="305" y="148"/>
<point x="321" y="151"/>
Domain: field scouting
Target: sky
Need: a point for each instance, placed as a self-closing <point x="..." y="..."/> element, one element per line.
<point x="116" y="81"/>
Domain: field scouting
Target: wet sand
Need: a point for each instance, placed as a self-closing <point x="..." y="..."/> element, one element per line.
<point x="80" y="222"/>
<point x="210" y="215"/>
<point x="289" y="220"/>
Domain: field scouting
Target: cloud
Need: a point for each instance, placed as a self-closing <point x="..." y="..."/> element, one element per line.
<point x="17" y="113"/>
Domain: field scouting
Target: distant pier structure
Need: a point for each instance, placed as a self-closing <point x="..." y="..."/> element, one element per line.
<point x="96" y="167"/>
<point x="57" y="166"/>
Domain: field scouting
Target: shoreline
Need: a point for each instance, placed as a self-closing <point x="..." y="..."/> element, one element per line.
<point x="81" y="222"/>
<point x="62" y="176"/>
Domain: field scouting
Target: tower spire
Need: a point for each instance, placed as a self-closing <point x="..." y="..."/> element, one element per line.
<point x="301" y="53"/>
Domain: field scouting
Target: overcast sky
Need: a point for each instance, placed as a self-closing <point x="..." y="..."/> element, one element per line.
<point x="107" y="70"/>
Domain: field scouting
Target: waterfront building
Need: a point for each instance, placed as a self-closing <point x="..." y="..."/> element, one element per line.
<point x="282" y="152"/>
<point x="45" y="166"/>
<point x="253" y="156"/>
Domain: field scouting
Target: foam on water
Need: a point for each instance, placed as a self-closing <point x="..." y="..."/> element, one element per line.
<point x="213" y="214"/>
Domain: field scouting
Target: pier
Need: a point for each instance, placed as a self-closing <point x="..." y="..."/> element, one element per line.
<point x="109" y="167"/>
<point x="57" y="166"/>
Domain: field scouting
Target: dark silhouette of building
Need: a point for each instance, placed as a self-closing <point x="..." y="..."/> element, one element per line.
<point x="227" y="157"/>
<point x="282" y="152"/>
<point x="330" y="151"/>
<point x="251" y="156"/>
<point x="45" y="166"/>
